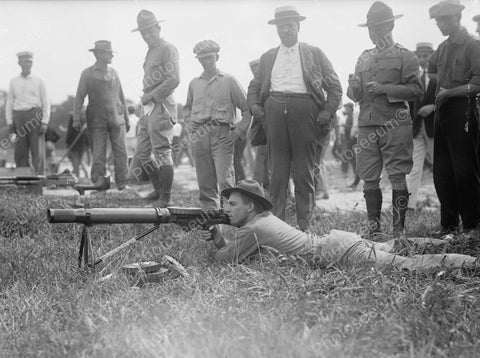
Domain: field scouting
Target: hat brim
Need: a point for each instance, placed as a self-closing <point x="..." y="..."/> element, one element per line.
<point x="369" y="24"/>
<point x="449" y="10"/>
<point x="97" y="49"/>
<point x="280" y="19"/>
<point x="267" y="205"/>
<point x="140" y="28"/>
<point x="206" y="54"/>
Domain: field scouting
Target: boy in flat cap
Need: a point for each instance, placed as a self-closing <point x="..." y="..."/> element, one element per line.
<point x="155" y="128"/>
<point x="212" y="100"/>
<point x="27" y="112"/>
<point x="106" y="114"/>
<point x="289" y="90"/>
<point x="385" y="78"/>
<point x="422" y="112"/>
<point x="456" y="173"/>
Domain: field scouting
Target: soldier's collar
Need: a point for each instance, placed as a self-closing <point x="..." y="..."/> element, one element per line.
<point x="460" y="37"/>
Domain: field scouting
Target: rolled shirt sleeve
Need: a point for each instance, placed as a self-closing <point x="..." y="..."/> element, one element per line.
<point x="239" y="100"/>
<point x="80" y="96"/>
<point x="243" y="244"/>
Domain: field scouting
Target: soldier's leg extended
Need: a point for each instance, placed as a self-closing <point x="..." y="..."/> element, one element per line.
<point x="99" y="136"/>
<point x="119" y="151"/>
<point x="369" y="167"/>
<point x="142" y="161"/>
<point x="397" y="149"/>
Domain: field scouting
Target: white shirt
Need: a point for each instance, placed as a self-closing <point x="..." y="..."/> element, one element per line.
<point x="287" y="75"/>
<point x="427" y="79"/>
<point x="26" y="93"/>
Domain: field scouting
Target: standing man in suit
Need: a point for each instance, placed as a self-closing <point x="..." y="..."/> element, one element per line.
<point x="27" y="112"/>
<point x="456" y="173"/>
<point x="385" y="79"/>
<point x="289" y="90"/>
<point x="423" y="112"/>
<point x="155" y="128"/>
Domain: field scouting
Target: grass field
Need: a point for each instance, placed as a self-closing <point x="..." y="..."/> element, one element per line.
<point x="265" y="308"/>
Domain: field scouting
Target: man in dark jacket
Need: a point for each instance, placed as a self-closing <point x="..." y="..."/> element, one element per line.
<point x="289" y="90"/>
<point x="422" y="114"/>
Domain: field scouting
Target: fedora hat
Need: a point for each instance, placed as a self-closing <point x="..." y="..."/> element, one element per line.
<point x="252" y="189"/>
<point x="102" y="45"/>
<point x="446" y="8"/>
<point x="146" y="19"/>
<point x="379" y="13"/>
<point x="286" y="13"/>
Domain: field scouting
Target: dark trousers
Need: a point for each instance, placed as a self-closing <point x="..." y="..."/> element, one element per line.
<point x="291" y="137"/>
<point x="27" y="124"/>
<point x="455" y="165"/>
<point x="239" y="148"/>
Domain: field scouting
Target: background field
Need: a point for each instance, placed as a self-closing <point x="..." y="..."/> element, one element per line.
<point x="265" y="308"/>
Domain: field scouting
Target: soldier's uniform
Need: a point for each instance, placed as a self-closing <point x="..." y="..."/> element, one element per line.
<point x="385" y="126"/>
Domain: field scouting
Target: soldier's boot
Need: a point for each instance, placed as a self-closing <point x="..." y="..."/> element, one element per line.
<point x="373" y="200"/>
<point x="166" y="181"/>
<point x="400" y="206"/>
<point x="155" y="179"/>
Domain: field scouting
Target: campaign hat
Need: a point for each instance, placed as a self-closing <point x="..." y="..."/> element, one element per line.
<point x="379" y="13"/>
<point x="252" y="189"/>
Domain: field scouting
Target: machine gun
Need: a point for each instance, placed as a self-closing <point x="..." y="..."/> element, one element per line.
<point x="36" y="182"/>
<point x="188" y="218"/>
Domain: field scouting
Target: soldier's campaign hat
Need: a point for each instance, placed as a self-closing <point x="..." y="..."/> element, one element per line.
<point x="379" y="13"/>
<point x="146" y="19"/>
<point x="102" y="45"/>
<point x="286" y="13"/>
<point x="205" y="48"/>
<point x="25" y="54"/>
<point x="424" y="46"/>
<point x="476" y="18"/>
<point x="252" y="189"/>
<point x="446" y="8"/>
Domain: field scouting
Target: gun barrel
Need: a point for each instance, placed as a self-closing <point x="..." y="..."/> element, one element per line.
<point x="109" y="216"/>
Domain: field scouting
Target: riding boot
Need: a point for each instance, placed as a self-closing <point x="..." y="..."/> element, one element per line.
<point x="373" y="199"/>
<point x="154" y="176"/>
<point x="400" y="206"/>
<point x="166" y="181"/>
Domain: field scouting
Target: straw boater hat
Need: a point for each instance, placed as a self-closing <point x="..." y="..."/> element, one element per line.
<point x="379" y="13"/>
<point x="446" y="8"/>
<point x="286" y="13"/>
<point x="102" y="45"/>
<point x="146" y="19"/>
<point x="252" y="189"/>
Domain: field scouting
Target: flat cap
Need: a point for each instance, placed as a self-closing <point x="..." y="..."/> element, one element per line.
<point x="446" y="8"/>
<point x="25" y="54"/>
<point x="424" y="46"/>
<point x="205" y="48"/>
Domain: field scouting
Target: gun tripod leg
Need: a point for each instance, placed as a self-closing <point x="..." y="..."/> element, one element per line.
<point x="85" y="248"/>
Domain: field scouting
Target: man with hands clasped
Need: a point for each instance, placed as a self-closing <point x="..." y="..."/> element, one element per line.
<point x="385" y="78"/>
